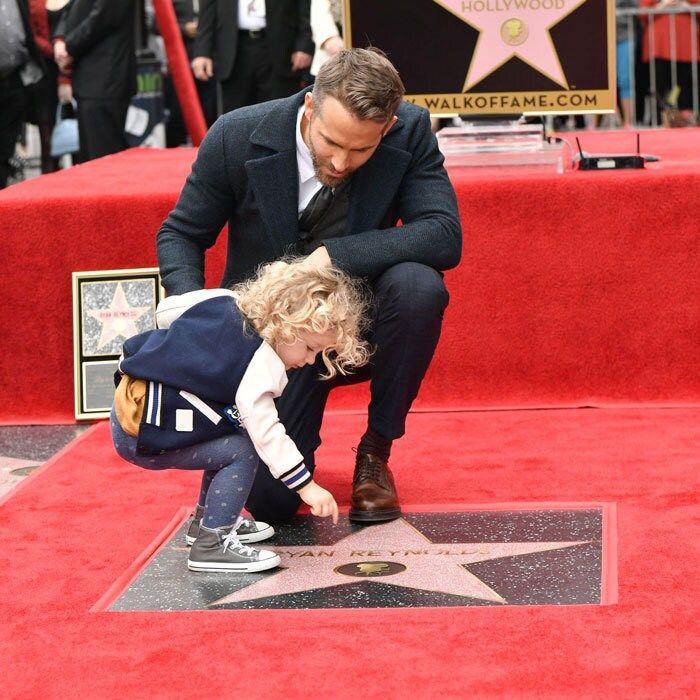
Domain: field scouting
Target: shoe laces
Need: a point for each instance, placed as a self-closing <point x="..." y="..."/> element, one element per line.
<point x="369" y="469"/>
<point x="231" y="541"/>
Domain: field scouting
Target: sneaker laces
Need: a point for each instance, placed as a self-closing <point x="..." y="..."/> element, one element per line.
<point x="243" y="521"/>
<point x="231" y="541"/>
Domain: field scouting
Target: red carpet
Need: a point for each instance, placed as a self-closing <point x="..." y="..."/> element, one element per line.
<point x="74" y="527"/>
<point x="574" y="289"/>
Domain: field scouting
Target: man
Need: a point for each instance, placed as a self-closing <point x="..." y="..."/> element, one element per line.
<point x="96" y="42"/>
<point x="352" y="159"/>
<point x="21" y="65"/>
<point x="187" y="13"/>
<point x="257" y="50"/>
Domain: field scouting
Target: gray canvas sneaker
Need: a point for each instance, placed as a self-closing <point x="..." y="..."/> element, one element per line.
<point x="193" y="529"/>
<point x="247" y="530"/>
<point x="220" y="550"/>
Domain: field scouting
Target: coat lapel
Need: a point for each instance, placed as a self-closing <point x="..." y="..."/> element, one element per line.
<point x="274" y="178"/>
<point x="375" y="184"/>
<point x="275" y="182"/>
<point x="374" y="187"/>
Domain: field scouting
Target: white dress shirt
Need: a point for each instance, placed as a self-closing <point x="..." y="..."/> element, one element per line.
<point x="308" y="182"/>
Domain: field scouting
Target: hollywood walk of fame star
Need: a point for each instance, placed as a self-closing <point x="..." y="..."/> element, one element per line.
<point x="119" y="319"/>
<point x="395" y="553"/>
<point x="506" y="31"/>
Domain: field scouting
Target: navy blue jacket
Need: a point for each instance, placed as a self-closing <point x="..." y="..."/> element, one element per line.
<point x="193" y="370"/>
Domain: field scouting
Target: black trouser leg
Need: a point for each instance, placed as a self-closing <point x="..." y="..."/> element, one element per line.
<point x="49" y="164"/>
<point x="408" y="305"/>
<point x="208" y="96"/>
<point x="284" y="86"/>
<point x="101" y="127"/>
<point x="11" y="119"/>
<point x="175" y="128"/>
<point x="249" y="82"/>
<point x="409" y="302"/>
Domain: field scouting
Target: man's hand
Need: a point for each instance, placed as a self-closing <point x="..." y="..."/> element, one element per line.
<point x="300" y="60"/>
<point x="191" y="29"/>
<point x="203" y="68"/>
<point x="62" y="57"/>
<point x="321" y="501"/>
<point x="319" y="258"/>
<point x="59" y="50"/>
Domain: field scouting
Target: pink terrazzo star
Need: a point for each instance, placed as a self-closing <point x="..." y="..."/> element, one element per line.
<point x="510" y="28"/>
<point x="373" y="553"/>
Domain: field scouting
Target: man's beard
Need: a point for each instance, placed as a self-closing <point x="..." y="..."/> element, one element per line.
<point x="320" y="175"/>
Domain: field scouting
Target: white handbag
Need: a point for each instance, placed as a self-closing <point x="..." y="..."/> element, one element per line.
<point x="65" y="138"/>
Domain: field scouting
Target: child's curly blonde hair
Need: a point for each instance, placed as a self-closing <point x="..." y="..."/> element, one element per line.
<point x="290" y="296"/>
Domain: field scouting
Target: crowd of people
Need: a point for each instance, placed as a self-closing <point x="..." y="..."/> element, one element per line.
<point x="65" y="55"/>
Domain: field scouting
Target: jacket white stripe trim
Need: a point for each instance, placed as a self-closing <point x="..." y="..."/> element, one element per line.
<point x="155" y="394"/>
<point x="297" y="478"/>
<point x="202" y="407"/>
<point x="301" y="481"/>
<point x="294" y="473"/>
<point x="159" y="404"/>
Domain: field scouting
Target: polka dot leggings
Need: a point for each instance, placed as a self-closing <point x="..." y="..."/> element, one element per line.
<point x="228" y="463"/>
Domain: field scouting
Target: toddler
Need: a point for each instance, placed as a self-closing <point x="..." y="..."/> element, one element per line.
<point x="198" y="393"/>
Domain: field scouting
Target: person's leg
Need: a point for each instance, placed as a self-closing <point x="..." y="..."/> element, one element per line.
<point x="11" y="116"/>
<point x="101" y="127"/>
<point x="241" y="87"/>
<point x="230" y="464"/>
<point x="624" y="82"/>
<point x="235" y="91"/>
<point x="409" y="302"/>
<point x="661" y="90"/>
<point x="207" y="91"/>
<point x="685" y="96"/>
<point x="284" y="85"/>
<point x="408" y="306"/>
<point x="217" y="545"/>
<point x="49" y="164"/>
<point x="261" y="64"/>
<point x="175" y="131"/>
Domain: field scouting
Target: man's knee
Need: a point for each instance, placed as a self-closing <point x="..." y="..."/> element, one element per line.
<point x="411" y="289"/>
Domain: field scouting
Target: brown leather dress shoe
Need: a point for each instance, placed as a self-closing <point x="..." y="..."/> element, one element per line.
<point x="374" y="496"/>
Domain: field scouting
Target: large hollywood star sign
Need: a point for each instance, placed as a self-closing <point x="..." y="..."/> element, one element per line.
<point x="495" y="56"/>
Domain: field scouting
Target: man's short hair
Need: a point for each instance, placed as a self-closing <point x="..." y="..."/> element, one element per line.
<point x="364" y="81"/>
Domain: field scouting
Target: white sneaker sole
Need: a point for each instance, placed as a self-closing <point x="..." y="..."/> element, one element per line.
<point x="258" y="536"/>
<point x="250" y="567"/>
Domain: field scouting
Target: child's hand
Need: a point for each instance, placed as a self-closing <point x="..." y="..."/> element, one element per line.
<point x="321" y="501"/>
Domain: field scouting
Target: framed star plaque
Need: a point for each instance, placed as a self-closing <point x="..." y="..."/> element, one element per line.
<point x="489" y="57"/>
<point x="109" y="306"/>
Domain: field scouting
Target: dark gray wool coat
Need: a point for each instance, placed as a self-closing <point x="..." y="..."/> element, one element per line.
<point x="246" y="174"/>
